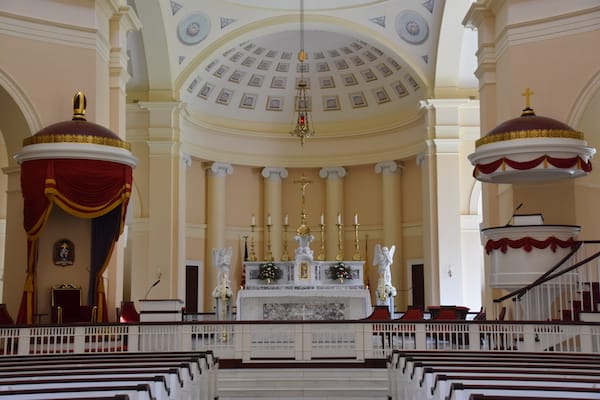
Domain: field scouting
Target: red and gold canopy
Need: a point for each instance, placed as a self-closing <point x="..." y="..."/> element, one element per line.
<point x="86" y="170"/>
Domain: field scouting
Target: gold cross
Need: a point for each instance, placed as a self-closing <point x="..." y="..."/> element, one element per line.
<point x="527" y="93"/>
<point x="303" y="181"/>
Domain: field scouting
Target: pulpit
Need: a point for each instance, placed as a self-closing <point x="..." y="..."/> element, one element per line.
<point x="161" y="310"/>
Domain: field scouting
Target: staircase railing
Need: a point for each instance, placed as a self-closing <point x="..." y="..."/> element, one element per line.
<point x="568" y="288"/>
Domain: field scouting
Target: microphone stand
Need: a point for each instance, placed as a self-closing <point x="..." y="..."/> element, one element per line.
<point x="150" y="288"/>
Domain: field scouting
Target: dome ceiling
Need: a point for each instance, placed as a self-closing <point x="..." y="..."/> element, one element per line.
<point x="349" y="79"/>
<point x="234" y="63"/>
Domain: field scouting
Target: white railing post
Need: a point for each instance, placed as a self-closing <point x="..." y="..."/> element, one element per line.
<point x="79" y="340"/>
<point x="248" y="331"/>
<point x="420" y="337"/>
<point x="305" y="341"/>
<point x="132" y="336"/>
<point x="367" y="339"/>
<point x="238" y="341"/>
<point x="528" y="337"/>
<point x="359" y="341"/>
<point x="474" y="337"/>
<point x="185" y="340"/>
<point x="585" y="339"/>
<point x="24" y="341"/>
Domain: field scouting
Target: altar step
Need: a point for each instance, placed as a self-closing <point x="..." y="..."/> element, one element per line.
<point x="303" y="383"/>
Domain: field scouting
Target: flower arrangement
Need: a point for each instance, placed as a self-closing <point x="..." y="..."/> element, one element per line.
<point x="222" y="292"/>
<point x="385" y="290"/>
<point x="269" y="272"/>
<point x="340" y="271"/>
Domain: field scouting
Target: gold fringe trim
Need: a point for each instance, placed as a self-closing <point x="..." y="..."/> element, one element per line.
<point x="68" y="138"/>
<point x="530" y="134"/>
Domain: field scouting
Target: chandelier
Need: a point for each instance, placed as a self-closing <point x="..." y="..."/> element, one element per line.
<point x="302" y="104"/>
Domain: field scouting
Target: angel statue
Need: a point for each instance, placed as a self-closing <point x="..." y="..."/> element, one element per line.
<point x="222" y="292"/>
<point x="385" y="291"/>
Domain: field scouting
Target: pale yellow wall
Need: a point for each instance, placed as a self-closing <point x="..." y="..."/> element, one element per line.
<point x="195" y="193"/>
<point x="50" y="86"/>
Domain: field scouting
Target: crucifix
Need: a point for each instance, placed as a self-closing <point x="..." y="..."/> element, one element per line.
<point x="303" y="229"/>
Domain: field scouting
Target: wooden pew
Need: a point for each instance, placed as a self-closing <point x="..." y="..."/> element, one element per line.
<point x="157" y="384"/>
<point x="417" y="374"/>
<point x="198" y="369"/>
<point x="459" y="391"/>
<point x="135" y="392"/>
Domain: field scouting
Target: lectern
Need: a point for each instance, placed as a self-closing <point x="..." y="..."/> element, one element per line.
<point x="156" y="310"/>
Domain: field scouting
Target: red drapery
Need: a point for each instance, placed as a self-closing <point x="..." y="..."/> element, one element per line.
<point x="525" y="165"/>
<point x="528" y="243"/>
<point x="83" y="188"/>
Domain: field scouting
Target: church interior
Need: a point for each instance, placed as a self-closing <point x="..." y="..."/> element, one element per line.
<point x="369" y="167"/>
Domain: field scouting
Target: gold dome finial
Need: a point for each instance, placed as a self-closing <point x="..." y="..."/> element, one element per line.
<point x="79" y="104"/>
<point x="527" y="110"/>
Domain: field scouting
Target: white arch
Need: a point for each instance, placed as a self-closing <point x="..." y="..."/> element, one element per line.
<point x="32" y="118"/>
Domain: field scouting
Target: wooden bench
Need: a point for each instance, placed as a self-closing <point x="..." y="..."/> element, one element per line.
<point x="136" y="392"/>
<point x="441" y="388"/>
<point x="459" y="391"/>
<point x="157" y="384"/>
<point x="423" y="374"/>
<point x="197" y="370"/>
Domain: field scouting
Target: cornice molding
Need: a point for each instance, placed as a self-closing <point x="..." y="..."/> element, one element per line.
<point x="47" y="31"/>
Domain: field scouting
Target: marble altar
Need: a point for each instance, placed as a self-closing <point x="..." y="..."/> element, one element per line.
<point x="306" y="291"/>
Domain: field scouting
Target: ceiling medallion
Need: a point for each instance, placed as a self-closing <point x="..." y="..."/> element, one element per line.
<point x="412" y="27"/>
<point x="193" y="29"/>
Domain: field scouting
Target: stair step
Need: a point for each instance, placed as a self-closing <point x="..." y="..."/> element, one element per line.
<point x="303" y="383"/>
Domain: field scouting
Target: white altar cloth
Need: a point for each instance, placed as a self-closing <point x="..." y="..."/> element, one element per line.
<point x="341" y="303"/>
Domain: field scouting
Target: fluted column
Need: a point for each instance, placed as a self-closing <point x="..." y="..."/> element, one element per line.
<point x="334" y="205"/>
<point x="391" y="202"/>
<point x="273" y="207"/>
<point x="215" y="222"/>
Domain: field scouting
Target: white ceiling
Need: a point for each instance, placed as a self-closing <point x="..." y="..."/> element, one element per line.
<point x="234" y="61"/>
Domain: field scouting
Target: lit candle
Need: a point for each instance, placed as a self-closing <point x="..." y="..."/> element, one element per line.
<point x="269" y="219"/>
<point x="339" y="219"/>
<point x="253" y="220"/>
<point x="355" y="218"/>
<point x="285" y="219"/>
<point x="322" y="219"/>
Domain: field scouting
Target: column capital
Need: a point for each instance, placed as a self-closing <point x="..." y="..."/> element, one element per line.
<point x="274" y="173"/>
<point x="387" y="167"/>
<point x="221" y="169"/>
<point x="332" y="172"/>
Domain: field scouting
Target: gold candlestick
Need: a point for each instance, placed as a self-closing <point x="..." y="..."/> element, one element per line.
<point x="321" y="255"/>
<point x="269" y="256"/>
<point x="285" y="256"/>
<point x="252" y="255"/>
<point x="356" y="256"/>
<point x="340" y="247"/>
